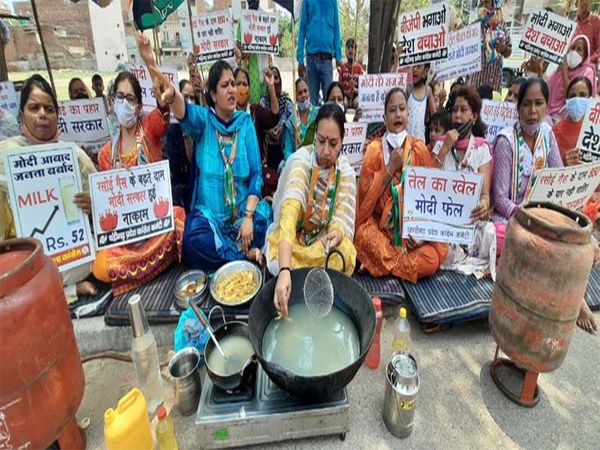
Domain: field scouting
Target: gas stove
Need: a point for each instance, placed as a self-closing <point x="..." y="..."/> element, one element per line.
<point x="261" y="412"/>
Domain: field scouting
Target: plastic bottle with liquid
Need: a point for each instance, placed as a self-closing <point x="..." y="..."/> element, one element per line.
<point x="374" y="355"/>
<point x="401" y="332"/>
<point x="128" y="426"/>
<point x="165" y="430"/>
<point x="145" y="356"/>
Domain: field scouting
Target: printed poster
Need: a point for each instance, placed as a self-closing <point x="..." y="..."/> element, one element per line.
<point x="498" y="115"/>
<point x="131" y="205"/>
<point x="589" y="137"/>
<point x="570" y="187"/>
<point x="438" y="205"/>
<point x="83" y="120"/>
<point x="422" y="34"/>
<point x="8" y="98"/>
<point x="372" y="89"/>
<point x="42" y="183"/>
<point x="260" y="32"/>
<point x="354" y="143"/>
<point x="464" y="54"/>
<point x="143" y="75"/>
<point x="213" y="36"/>
<point x="547" y="35"/>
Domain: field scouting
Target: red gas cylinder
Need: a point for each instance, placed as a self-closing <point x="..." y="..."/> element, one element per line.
<point x="542" y="277"/>
<point x="41" y="377"/>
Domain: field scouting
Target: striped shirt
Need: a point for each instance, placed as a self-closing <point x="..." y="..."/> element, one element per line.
<point x="491" y="73"/>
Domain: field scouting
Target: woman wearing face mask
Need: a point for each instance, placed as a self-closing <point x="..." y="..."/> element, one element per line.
<point x="300" y="127"/>
<point x="576" y="64"/>
<point x="38" y="116"/>
<point x="138" y="142"/>
<point x="464" y="148"/>
<point x="78" y="89"/>
<point x="178" y="148"/>
<point x="273" y="154"/>
<point x="314" y="207"/>
<point x="227" y="220"/>
<point x="378" y="239"/>
<point x="264" y="118"/>
<point x="567" y="131"/>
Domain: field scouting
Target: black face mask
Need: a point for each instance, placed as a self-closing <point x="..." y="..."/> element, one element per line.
<point x="463" y="128"/>
<point x="80" y="95"/>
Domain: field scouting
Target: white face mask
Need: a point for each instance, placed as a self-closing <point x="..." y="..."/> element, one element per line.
<point x="125" y="114"/>
<point x="574" y="59"/>
<point x="395" y="140"/>
<point x="303" y="106"/>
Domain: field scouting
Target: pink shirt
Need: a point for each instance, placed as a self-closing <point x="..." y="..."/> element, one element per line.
<point x="591" y="28"/>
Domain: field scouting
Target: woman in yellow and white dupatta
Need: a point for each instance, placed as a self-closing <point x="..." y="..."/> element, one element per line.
<point x="314" y="207"/>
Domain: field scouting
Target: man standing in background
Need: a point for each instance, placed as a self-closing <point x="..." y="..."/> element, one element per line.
<point x="320" y="35"/>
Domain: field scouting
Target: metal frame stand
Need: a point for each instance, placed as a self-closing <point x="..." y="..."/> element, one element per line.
<point x="529" y="395"/>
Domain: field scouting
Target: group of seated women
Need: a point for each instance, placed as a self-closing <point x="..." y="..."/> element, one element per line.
<point x="318" y="206"/>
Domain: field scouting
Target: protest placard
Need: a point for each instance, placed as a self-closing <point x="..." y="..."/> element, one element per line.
<point x="143" y="75"/>
<point x="83" y="120"/>
<point x="570" y="187"/>
<point x="547" y="35"/>
<point x="464" y="54"/>
<point x="8" y="98"/>
<point x="372" y="88"/>
<point x="132" y="204"/>
<point x="589" y="136"/>
<point x="42" y="183"/>
<point x="372" y="116"/>
<point x="213" y="35"/>
<point x="422" y="34"/>
<point x="438" y="205"/>
<point x="260" y="32"/>
<point x="496" y="116"/>
<point x="354" y="143"/>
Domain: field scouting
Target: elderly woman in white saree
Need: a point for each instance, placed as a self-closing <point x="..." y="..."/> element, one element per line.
<point x="314" y="208"/>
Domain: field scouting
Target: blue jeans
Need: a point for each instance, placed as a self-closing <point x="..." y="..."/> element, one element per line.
<point x="320" y="76"/>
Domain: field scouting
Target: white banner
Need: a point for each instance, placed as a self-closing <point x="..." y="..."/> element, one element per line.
<point x="589" y="136"/>
<point x="498" y="115"/>
<point x="83" y="120"/>
<point x="547" y="35"/>
<point x="354" y="142"/>
<point x="464" y="54"/>
<point x="8" y="98"/>
<point x="133" y="204"/>
<point x="42" y="183"/>
<point x="570" y="187"/>
<point x="438" y="205"/>
<point x="213" y="36"/>
<point x="260" y="32"/>
<point x="423" y="34"/>
<point x="372" y="88"/>
<point x="143" y="75"/>
<point x="372" y="116"/>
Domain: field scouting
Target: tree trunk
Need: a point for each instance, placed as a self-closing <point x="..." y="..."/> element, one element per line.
<point x="382" y="33"/>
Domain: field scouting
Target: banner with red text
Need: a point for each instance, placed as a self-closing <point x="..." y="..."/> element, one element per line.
<point x="143" y="75"/>
<point x="496" y="116"/>
<point x="353" y="146"/>
<point x="438" y="205"/>
<point x="213" y="36"/>
<point x="464" y="54"/>
<point x="8" y="98"/>
<point x="260" y="32"/>
<point x="133" y="204"/>
<point x="589" y="136"/>
<point x="42" y="183"/>
<point x="547" y="35"/>
<point x="423" y="34"/>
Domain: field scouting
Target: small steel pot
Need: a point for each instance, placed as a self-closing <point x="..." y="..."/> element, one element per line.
<point x="233" y="381"/>
<point x="190" y="276"/>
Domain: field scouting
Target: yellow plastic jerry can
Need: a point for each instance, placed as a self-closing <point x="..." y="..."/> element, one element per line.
<point x="128" y="426"/>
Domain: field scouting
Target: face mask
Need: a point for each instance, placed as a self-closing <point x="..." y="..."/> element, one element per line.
<point x="342" y="106"/>
<point x="530" y="129"/>
<point x="125" y="114"/>
<point x="396" y="139"/>
<point x="463" y="128"/>
<point x="303" y="106"/>
<point x="577" y="107"/>
<point x="243" y="93"/>
<point x="80" y="95"/>
<point x="574" y="59"/>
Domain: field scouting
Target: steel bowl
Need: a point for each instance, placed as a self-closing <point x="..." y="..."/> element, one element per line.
<point x="183" y="302"/>
<point x="233" y="267"/>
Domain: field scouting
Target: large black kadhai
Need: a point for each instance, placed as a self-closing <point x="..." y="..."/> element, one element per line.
<point x="350" y="298"/>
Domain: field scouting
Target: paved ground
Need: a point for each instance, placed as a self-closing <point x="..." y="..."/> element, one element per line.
<point x="459" y="405"/>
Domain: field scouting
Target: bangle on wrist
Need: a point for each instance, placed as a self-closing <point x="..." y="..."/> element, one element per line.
<point x="281" y="269"/>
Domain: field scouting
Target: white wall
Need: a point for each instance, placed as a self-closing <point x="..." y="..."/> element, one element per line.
<point x="109" y="35"/>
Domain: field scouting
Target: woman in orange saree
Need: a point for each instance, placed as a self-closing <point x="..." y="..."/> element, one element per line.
<point x="137" y="142"/>
<point x="379" y="245"/>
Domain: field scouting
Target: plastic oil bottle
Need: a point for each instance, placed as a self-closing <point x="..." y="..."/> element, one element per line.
<point x="401" y="332"/>
<point x="145" y="356"/>
<point x="165" y="430"/>
<point x="128" y="426"/>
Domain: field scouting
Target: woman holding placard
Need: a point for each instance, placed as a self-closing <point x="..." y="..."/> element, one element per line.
<point x="378" y="238"/>
<point x="576" y="64"/>
<point x="138" y="142"/>
<point x="38" y="114"/>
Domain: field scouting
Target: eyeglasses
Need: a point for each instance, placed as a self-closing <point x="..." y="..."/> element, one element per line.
<point x="131" y="99"/>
